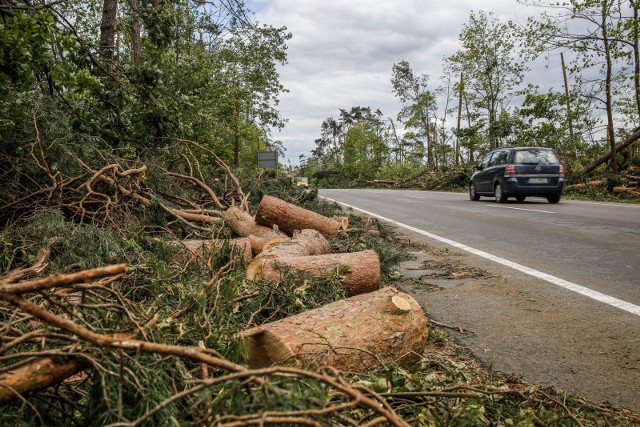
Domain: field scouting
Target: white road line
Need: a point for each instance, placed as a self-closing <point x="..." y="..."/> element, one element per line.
<point x="415" y="197"/>
<point x="590" y="293"/>
<point x="519" y="209"/>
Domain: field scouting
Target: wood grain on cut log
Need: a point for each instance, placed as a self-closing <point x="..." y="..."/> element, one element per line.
<point x="242" y="224"/>
<point x="360" y="271"/>
<point x="288" y="217"/>
<point x="355" y="334"/>
<point x="195" y="247"/>
<point x="37" y="375"/>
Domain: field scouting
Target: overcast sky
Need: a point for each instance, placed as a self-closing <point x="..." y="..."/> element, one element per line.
<point x="342" y="52"/>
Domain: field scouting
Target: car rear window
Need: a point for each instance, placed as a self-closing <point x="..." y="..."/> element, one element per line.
<point x="535" y="157"/>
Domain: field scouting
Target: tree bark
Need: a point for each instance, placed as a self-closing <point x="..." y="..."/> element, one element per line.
<point x="242" y="224"/>
<point x="288" y="217"/>
<point x="606" y="5"/>
<point x="360" y="271"/>
<point x="108" y="28"/>
<point x="356" y="334"/>
<point x="136" y="44"/>
<point x="566" y="94"/>
<point x="305" y="242"/>
<point x="37" y="375"/>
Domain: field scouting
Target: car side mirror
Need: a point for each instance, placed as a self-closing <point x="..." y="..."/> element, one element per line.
<point x="478" y="167"/>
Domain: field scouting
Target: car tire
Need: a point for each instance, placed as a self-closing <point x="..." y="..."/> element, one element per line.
<point x="554" y="198"/>
<point x="472" y="193"/>
<point x="498" y="194"/>
<point x="521" y="198"/>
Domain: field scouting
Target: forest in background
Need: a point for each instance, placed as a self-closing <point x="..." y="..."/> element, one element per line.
<point x="483" y="100"/>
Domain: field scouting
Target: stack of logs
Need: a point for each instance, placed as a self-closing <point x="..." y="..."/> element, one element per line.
<point x="630" y="183"/>
<point x="367" y="330"/>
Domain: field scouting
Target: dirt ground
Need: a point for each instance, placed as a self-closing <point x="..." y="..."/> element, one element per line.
<point x="520" y="325"/>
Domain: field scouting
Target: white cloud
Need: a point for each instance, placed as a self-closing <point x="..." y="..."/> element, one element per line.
<point x="342" y="52"/>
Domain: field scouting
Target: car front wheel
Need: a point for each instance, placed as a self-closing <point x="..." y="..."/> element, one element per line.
<point x="499" y="195"/>
<point x="554" y="198"/>
<point x="472" y="193"/>
<point x="521" y="198"/>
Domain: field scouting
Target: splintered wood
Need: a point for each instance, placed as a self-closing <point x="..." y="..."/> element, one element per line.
<point x="356" y="334"/>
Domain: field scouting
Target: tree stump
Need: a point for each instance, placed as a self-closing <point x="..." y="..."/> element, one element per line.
<point x="242" y="224"/>
<point x="360" y="271"/>
<point x="356" y="334"/>
<point x="288" y="217"/>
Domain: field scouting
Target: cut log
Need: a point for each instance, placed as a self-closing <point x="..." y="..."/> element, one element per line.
<point x="355" y="335"/>
<point x="360" y="271"/>
<point x="37" y="375"/>
<point x="289" y="218"/>
<point x="194" y="247"/>
<point x="620" y="190"/>
<point x="242" y="224"/>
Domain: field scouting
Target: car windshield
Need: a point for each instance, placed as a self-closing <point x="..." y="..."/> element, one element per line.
<point x="535" y="157"/>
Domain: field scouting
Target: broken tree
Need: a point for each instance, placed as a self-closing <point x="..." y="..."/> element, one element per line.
<point x="359" y="271"/>
<point x="356" y="334"/>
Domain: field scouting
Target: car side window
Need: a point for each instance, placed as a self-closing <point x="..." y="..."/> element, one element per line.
<point x="485" y="161"/>
<point x="499" y="158"/>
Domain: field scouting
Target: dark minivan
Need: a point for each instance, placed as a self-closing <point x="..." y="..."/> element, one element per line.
<point x="518" y="172"/>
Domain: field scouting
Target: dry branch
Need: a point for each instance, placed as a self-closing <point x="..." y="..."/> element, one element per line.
<point x="187" y="249"/>
<point x="37" y="375"/>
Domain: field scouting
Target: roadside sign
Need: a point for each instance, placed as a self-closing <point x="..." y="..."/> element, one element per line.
<point x="267" y="159"/>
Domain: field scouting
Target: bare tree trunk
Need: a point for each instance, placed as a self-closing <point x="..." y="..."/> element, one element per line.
<point x="607" y="84"/>
<point x="459" y="118"/>
<point x="108" y="28"/>
<point x="566" y="94"/>
<point x="636" y="54"/>
<point x="135" y="31"/>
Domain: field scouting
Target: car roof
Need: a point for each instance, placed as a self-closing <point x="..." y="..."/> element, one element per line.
<point x="522" y="148"/>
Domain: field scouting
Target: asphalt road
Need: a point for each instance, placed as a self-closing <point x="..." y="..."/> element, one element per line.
<point x="568" y="310"/>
